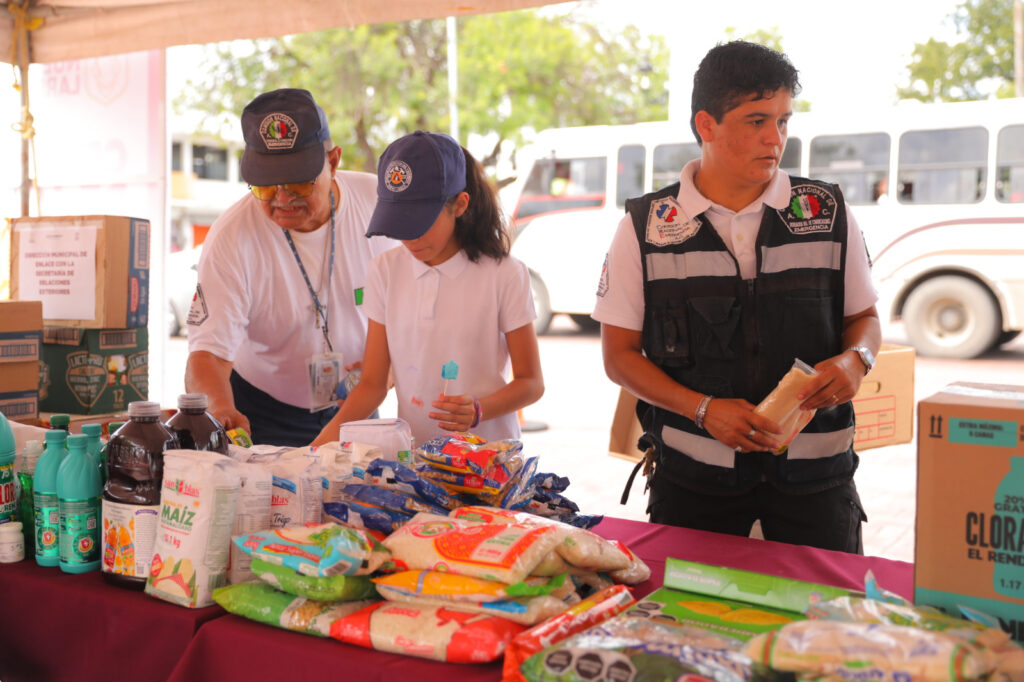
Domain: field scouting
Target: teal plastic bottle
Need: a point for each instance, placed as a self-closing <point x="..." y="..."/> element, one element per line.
<point x="78" y="495"/>
<point x="1008" y="578"/>
<point x="8" y="488"/>
<point x="94" y="446"/>
<point x="44" y="496"/>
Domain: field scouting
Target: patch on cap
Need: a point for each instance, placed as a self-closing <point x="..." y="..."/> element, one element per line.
<point x="279" y="131"/>
<point x="399" y="176"/>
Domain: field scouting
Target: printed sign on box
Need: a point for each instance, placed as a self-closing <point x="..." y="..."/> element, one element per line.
<point x="93" y="371"/>
<point x="970" y="502"/>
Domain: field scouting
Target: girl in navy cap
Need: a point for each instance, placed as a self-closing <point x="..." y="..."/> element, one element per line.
<point x="452" y="293"/>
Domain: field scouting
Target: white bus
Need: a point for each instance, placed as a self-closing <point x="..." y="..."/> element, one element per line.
<point x="947" y="242"/>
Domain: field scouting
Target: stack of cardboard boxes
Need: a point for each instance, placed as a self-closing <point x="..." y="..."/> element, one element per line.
<point x="21" y="327"/>
<point x="91" y="274"/>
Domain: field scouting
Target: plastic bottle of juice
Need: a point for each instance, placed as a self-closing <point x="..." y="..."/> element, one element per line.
<point x="25" y="468"/>
<point x="8" y="485"/>
<point x="196" y="428"/>
<point x="94" y="446"/>
<point x="131" y="495"/>
<point x="78" y="495"/>
<point x="44" y="496"/>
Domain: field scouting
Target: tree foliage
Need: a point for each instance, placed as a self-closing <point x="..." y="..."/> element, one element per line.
<point x="516" y="70"/>
<point x="976" y="66"/>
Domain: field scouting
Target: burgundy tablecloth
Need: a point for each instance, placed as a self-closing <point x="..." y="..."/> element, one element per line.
<point x="58" y="626"/>
<point x="234" y="648"/>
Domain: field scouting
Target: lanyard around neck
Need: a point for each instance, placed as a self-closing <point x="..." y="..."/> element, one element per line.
<point x="321" y="310"/>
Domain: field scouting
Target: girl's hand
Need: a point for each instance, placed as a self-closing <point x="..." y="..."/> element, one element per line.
<point x="458" y="412"/>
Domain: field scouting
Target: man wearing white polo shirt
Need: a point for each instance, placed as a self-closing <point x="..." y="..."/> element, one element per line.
<point x="712" y="288"/>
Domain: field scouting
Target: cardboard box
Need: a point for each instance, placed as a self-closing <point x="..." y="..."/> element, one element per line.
<point x="970" y="502"/>
<point x="90" y="272"/>
<point x="21" y="326"/>
<point x="884" y="407"/>
<point x="93" y="371"/>
<point x="19" y="390"/>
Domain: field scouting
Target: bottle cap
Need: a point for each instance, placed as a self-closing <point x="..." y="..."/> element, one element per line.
<point x="94" y="430"/>
<point x="77" y="440"/>
<point x="60" y="421"/>
<point x="196" y="401"/>
<point x="11" y="527"/>
<point x="56" y="436"/>
<point x="8" y="446"/>
<point x="144" y="408"/>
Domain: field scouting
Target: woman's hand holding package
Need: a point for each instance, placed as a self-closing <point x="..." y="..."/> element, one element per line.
<point x="733" y="422"/>
<point x="837" y="381"/>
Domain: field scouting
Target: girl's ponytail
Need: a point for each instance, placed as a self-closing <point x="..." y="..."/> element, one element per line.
<point x="481" y="229"/>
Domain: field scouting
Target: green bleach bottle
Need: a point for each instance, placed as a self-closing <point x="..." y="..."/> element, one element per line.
<point x="78" y="496"/>
<point x="44" y="496"/>
<point x="94" y="446"/>
<point x="24" y="469"/>
<point x="8" y="488"/>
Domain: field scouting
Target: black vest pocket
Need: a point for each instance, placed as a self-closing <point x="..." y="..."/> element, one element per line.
<point x="666" y="335"/>
<point x="714" y="321"/>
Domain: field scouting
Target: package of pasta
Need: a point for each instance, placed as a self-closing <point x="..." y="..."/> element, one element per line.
<point x="440" y="633"/>
<point x="264" y="604"/>
<point x="454" y="587"/>
<point x="518" y="490"/>
<point x="451" y="453"/>
<point x="593" y="610"/>
<point x="859" y="609"/>
<point x="783" y="407"/>
<point x="319" y="588"/>
<point x="505" y="553"/>
<point x="581" y="548"/>
<point x="388" y="499"/>
<point x="400" y="478"/>
<point x="364" y="516"/>
<point x="889" y="653"/>
<point x="323" y="549"/>
<point x="522" y="610"/>
<point x="625" y="648"/>
<point x="455" y="482"/>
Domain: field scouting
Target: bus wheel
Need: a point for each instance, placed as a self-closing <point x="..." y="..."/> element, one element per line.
<point x="951" y="317"/>
<point x="541" y="304"/>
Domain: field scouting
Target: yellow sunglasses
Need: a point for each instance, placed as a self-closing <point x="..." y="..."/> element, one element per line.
<point x="267" y="192"/>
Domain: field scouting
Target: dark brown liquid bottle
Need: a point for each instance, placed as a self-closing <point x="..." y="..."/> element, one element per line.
<point x="196" y="428"/>
<point x="131" y="495"/>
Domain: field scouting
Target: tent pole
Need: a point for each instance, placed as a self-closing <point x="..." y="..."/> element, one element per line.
<point x="26" y="183"/>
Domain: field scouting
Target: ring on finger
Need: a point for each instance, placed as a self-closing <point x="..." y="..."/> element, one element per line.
<point x="751" y="433"/>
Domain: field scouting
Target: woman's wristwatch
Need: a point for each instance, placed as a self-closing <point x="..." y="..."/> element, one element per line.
<point x="865" y="355"/>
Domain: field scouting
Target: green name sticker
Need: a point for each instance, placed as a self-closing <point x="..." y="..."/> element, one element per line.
<point x="359" y="296"/>
<point x="983" y="432"/>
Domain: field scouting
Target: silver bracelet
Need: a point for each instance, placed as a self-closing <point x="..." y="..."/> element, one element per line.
<point x="702" y="411"/>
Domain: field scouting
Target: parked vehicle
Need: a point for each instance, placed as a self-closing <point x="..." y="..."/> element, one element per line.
<point x="947" y="242"/>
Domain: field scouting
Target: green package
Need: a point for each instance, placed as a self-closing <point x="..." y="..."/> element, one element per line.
<point x="320" y="588"/>
<point x="264" y="604"/>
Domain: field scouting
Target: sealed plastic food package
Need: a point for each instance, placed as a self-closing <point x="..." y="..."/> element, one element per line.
<point x="264" y="604"/>
<point x="252" y="513"/>
<point x="319" y="588"/>
<point x="297" y="497"/>
<point x="321" y="550"/>
<point x="392" y="436"/>
<point x="783" y="407"/>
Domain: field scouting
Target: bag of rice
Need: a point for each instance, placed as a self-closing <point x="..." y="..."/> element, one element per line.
<point x="321" y="550"/>
<point x="441" y="633"/>
<point x="264" y="604"/>
<point x="320" y="588"/>
<point x="197" y="510"/>
<point x="452" y="587"/>
<point x="503" y="552"/>
<point x="522" y="610"/>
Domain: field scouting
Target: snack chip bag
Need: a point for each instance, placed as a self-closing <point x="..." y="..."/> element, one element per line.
<point x="319" y="550"/>
<point x="264" y="604"/>
<point x="400" y="478"/>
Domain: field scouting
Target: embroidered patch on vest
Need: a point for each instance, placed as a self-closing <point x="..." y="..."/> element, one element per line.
<point x="198" y="313"/>
<point x="667" y="224"/>
<point x="811" y="209"/>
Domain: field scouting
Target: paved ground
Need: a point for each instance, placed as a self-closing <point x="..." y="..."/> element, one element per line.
<point x="579" y="403"/>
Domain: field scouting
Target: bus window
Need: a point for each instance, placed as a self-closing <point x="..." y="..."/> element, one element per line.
<point x="669" y="159"/>
<point x="1010" y="165"/>
<point x="790" y="162"/>
<point x="629" y="180"/>
<point x="562" y="185"/>
<point x="942" y="166"/>
<point x="859" y="164"/>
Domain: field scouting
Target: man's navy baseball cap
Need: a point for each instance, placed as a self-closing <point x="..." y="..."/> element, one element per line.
<point x="284" y="133"/>
<point x="416" y="175"/>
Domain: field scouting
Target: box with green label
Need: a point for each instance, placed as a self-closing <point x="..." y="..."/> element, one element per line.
<point x="730" y="601"/>
<point x="970" y="502"/>
<point x="93" y="371"/>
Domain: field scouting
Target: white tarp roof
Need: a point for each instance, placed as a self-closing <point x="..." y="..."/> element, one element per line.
<point x="76" y="29"/>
